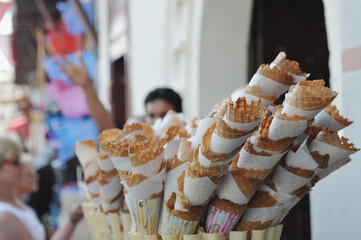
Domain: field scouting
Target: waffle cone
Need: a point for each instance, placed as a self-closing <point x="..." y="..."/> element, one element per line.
<point x="262" y="141"/>
<point x="122" y="174"/>
<point x="225" y="131"/>
<point x="134" y="179"/>
<point x="248" y="180"/>
<point x="241" y="112"/>
<point x="262" y="199"/>
<point x="277" y="113"/>
<point x="89" y="143"/>
<point x="173" y="163"/>
<point x="105" y="176"/>
<point x="305" y="173"/>
<point x="185" y="152"/>
<point x="181" y="198"/>
<point x="310" y="95"/>
<point x="288" y="65"/>
<point x="128" y="129"/>
<point x="194" y="213"/>
<point x="275" y="74"/>
<point x="213" y="170"/>
<point x="192" y="171"/>
<point x="256" y="91"/>
<point x="109" y="135"/>
<point x="301" y="192"/>
<point x="332" y="138"/>
<point x="335" y="114"/>
<point x="322" y="160"/>
<point x="141" y="153"/>
<point x="113" y="199"/>
<point x="228" y="206"/>
<point x="171" y="133"/>
<point x="208" y="153"/>
<point x="220" y="108"/>
<point x="249" y="147"/>
<point x="148" y="131"/>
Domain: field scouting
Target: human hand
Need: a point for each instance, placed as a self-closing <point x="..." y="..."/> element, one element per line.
<point x="79" y="75"/>
<point x="76" y="213"/>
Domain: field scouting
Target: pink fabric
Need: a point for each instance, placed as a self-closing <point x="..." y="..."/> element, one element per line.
<point x="70" y="98"/>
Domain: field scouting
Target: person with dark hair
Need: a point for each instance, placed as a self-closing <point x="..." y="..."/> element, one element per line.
<point x="157" y="102"/>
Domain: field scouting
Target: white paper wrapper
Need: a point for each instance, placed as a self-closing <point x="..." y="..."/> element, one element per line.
<point x="147" y="188"/>
<point x="198" y="190"/>
<point x="224" y="145"/>
<point x="252" y="161"/>
<point x="301" y="159"/>
<point x="242" y="126"/>
<point x="146" y="214"/>
<point x="93" y="187"/>
<point x="267" y="85"/>
<point x="121" y="163"/>
<point x="260" y="214"/>
<point x="228" y="189"/>
<point x="91" y="169"/>
<point x="111" y="189"/>
<point x="151" y="168"/>
<point x="205" y="162"/>
<point x="336" y="154"/>
<point x="287" y="182"/>
<point x="169" y="188"/>
<point x="107" y="207"/>
<point x="105" y="165"/>
<point x="331" y="168"/>
<point x="85" y="153"/>
<point x="285" y="129"/>
<point x="324" y="120"/>
<point x="203" y="125"/>
<point x="296" y="78"/>
<point x="171" y="148"/>
<point x="290" y="110"/>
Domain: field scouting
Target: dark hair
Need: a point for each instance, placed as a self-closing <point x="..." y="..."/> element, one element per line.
<point x="166" y="94"/>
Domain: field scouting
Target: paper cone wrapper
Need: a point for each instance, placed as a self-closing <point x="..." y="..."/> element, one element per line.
<point x="146" y="214"/>
<point x="104" y="162"/>
<point x="249" y="158"/>
<point x="111" y="190"/>
<point x="171" y="148"/>
<point x="228" y="189"/>
<point x="169" y="188"/>
<point x="211" y="236"/>
<point x="180" y="227"/>
<point x="308" y="98"/>
<point x="86" y="152"/>
<point x="226" y="139"/>
<point x="253" y="93"/>
<point x="291" y="67"/>
<point x="271" y="233"/>
<point x="172" y="118"/>
<point x="330" y="118"/>
<point x="203" y="125"/>
<point x="238" y="235"/>
<point x="328" y="142"/>
<point x="284" y="126"/>
<point x="147" y="188"/>
<point x="115" y="225"/>
<point x="111" y="207"/>
<point x="271" y="80"/>
<point x="146" y="157"/>
<point x="219" y="221"/>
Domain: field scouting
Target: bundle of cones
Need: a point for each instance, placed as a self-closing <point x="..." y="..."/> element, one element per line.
<point x="241" y="167"/>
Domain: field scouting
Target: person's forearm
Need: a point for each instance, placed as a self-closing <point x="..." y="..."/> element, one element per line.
<point x="65" y="231"/>
<point x="97" y="111"/>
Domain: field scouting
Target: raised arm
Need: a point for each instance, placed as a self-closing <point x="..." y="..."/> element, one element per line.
<point x="80" y="76"/>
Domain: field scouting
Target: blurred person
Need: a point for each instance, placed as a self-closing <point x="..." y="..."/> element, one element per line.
<point x="29" y="180"/>
<point x="157" y="102"/>
<point x="18" y="221"/>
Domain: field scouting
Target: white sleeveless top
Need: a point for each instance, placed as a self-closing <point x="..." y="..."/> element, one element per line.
<point x="27" y="216"/>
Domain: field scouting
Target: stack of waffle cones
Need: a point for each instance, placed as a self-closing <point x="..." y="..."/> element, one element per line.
<point x="291" y="67"/>
<point x="253" y="93"/>
<point x="144" y="184"/>
<point x="86" y="152"/>
<point x="109" y="183"/>
<point x="271" y="80"/>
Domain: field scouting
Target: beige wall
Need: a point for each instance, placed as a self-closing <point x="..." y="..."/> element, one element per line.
<point x="335" y="210"/>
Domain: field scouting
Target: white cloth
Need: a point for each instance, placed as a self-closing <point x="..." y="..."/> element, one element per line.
<point x="27" y="216"/>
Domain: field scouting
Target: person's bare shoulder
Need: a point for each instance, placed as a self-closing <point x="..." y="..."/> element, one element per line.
<point x="11" y="228"/>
